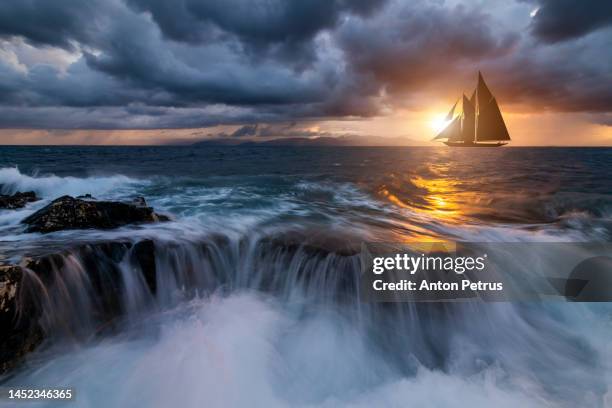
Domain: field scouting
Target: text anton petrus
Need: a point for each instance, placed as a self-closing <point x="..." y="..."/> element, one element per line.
<point x="427" y="277"/>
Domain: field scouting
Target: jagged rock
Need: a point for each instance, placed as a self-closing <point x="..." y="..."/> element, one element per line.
<point x="139" y="202"/>
<point x="20" y="332"/>
<point x="73" y="213"/>
<point x="17" y="200"/>
<point x="23" y="321"/>
<point x="10" y="277"/>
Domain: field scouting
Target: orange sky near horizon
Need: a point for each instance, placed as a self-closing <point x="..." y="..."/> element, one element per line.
<point x="416" y="128"/>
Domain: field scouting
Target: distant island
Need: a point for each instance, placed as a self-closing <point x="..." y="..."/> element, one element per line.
<point x="316" y="141"/>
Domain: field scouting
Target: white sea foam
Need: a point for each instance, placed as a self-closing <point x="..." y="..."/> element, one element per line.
<point x="52" y="186"/>
<point x="12" y="217"/>
<point x="244" y="350"/>
<point x="346" y="194"/>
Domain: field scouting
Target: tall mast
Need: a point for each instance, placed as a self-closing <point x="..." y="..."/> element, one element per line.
<point x="468" y="120"/>
<point x="474" y="101"/>
<point x="476" y="115"/>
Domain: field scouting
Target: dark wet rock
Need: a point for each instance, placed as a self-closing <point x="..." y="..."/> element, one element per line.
<point x="10" y="277"/>
<point x="86" y="197"/>
<point x="139" y="202"/>
<point x="316" y="243"/>
<point x="26" y="315"/>
<point x="85" y="290"/>
<point x="143" y="255"/>
<point x="17" y="200"/>
<point x="20" y="332"/>
<point x="68" y="212"/>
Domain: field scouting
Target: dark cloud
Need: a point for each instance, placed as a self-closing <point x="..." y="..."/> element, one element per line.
<point x="561" y="20"/>
<point x="430" y="48"/>
<point x="129" y="62"/>
<point x="261" y="22"/>
<point x="197" y="63"/>
<point x="602" y="119"/>
<point x="277" y="130"/>
<point x="247" y="130"/>
<point x="419" y="45"/>
<point x="78" y="87"/>
<point x="554" y="88"/>
<point x="568" y="77"/>
<point x="57" y="23"/>
<point x="292" y="129"/>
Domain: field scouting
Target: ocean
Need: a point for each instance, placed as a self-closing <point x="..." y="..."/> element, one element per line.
<point x="256" y="301"/>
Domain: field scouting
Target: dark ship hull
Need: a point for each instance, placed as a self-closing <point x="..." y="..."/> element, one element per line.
<point x="462" y="144"/>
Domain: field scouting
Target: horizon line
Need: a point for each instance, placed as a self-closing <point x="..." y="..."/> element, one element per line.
<point x="195" y="144"/>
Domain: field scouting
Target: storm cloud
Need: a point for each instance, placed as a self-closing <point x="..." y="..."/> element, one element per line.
<point x="562" y="20"/>
<point x="146" y="64"/>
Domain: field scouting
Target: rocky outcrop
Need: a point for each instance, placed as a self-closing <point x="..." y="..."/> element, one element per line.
<point x="68" y="212"/>
<point x="20" y="332"/>
<point x="17" y="200"/>
<point x="26" y="319"/>
<point x="86" y="290"/>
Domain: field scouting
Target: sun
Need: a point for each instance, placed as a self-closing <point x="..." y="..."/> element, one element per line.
<point x="438" y="122"/>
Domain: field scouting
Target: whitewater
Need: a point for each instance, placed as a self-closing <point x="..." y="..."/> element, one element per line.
<point x="257" y="301"/>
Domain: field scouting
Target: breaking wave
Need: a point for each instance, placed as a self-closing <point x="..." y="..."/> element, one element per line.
<point x="275" y="322"/>
<point x="52" y="186"/>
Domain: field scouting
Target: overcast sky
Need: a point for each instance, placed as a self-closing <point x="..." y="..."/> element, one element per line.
<point x="150" y="71"/>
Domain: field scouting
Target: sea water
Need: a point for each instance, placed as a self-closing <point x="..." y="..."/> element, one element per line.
<point x="240" y="321"/>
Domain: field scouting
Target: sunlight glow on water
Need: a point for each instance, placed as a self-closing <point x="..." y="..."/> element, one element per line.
<point x="246" y="314"/>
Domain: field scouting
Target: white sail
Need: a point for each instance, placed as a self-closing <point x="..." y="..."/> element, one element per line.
<point x="452" y="131"/>
<point x="451" y="113"/>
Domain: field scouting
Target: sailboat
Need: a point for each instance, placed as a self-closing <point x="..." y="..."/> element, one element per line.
<point x="478" y="123"/>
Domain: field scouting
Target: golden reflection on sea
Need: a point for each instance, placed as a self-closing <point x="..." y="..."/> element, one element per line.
<point x="435" y="197"/>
